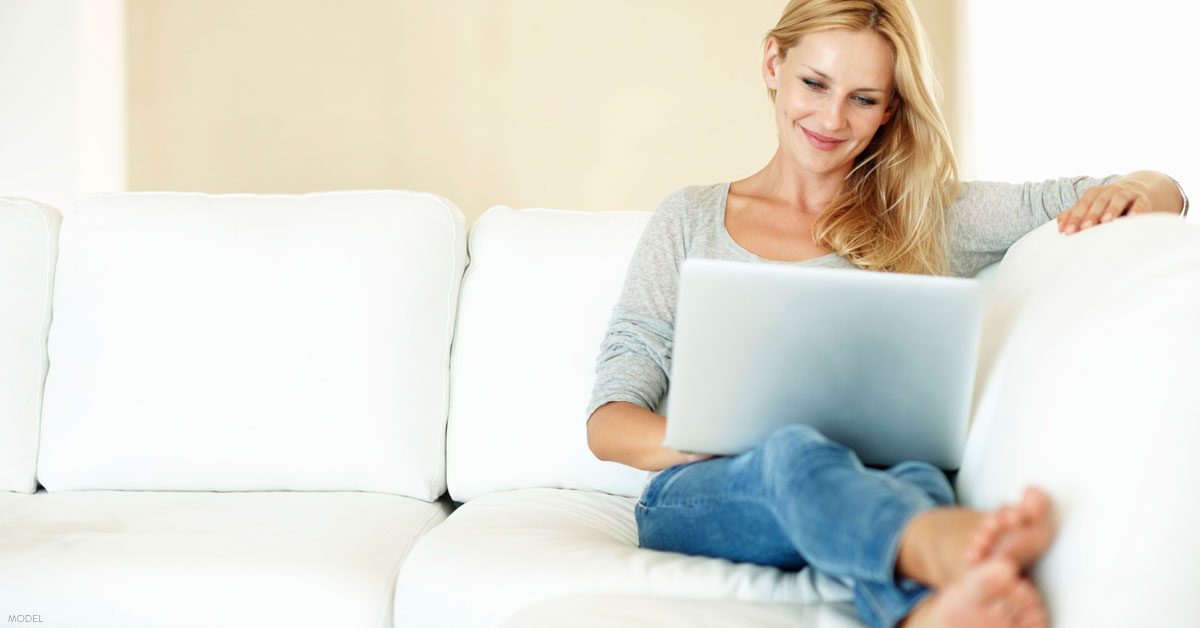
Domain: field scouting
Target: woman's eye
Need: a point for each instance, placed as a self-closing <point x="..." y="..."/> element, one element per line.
<point x="818" y="86"/>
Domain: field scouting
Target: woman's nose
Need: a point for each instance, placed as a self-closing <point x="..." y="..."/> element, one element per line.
<point x="833" y="114"/>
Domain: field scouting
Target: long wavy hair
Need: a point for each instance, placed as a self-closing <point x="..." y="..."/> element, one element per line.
<point x="890" y="214"/>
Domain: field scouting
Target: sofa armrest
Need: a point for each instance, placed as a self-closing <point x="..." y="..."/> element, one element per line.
<point x="28" y="250"/>
<point x="1089" y="389"/>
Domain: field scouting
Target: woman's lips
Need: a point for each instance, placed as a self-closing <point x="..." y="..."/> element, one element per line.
<point x="821" y="142"/>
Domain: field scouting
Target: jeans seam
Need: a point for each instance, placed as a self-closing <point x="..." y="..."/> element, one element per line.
<point x="658" y="484"/>
<point x="671" y="478"/>
<point x="704" y="501"/>
<point x="892" y="552"/>
<point x="884" y="616"/>
<point x="892" y="621"/>
<point x="876" y="607"/>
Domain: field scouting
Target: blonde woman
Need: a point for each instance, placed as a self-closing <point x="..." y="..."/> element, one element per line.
<point x="863" y="178"/>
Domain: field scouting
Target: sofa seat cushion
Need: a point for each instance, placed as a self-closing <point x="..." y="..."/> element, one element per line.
<point x="504" y="551"/>
<point x="112" y="558"/>
<point x="636" y="611"/>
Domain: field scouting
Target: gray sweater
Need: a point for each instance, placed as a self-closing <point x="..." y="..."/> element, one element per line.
<point x="634" y="363"/>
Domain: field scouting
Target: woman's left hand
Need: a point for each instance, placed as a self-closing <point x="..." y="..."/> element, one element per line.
<point x="1104" y="203"/>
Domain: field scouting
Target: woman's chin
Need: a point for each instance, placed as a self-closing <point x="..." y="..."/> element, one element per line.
<point x="819" y="164"/>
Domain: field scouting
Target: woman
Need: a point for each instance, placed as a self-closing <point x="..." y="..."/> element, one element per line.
<point x="863" y="178"/>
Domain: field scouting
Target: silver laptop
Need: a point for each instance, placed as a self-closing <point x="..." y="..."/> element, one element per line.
<point x="883" y="363"/>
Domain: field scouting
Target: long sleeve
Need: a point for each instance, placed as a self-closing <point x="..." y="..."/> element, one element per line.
<point x="987" y="218"/>
<point x="634" y="361"/>
<point x="635" y="356"/>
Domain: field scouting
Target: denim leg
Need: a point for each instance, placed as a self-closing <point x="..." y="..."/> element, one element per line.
<point x="885" y="604"/>
<point x="799" y="498"/>
<point x="928" y="478"/>
<point x="714" y="508"/>
<point x="845" y="519"/>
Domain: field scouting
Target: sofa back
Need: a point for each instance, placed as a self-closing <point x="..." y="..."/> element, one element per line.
<point x="28" y="247"/>
<point x="252" y="342"/>
<point x="535" y="306"/>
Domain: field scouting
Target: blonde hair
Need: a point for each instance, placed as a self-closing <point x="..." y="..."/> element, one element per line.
<point x="890" y="215"/>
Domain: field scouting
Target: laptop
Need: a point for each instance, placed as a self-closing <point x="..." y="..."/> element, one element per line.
<point x="883" y="363"/>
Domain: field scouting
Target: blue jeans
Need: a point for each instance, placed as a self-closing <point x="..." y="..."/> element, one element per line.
<point x="798" y="500"/>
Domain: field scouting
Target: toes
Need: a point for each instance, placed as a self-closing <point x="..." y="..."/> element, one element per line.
<point x="1022" y="532"/>
<point x="1010" y="516"/>
<point x="1007" y="530"/>
<point x="990" y="594"/>
<point x="1026" y="605"/>
<point x="979" y="548"/>
<point x="1035" y="502"/>
<point x="1023" y="598"/>
<point x="992" y="580"/>
<point x="989" y="529"/>
<point x="981" y="539"/>
<point x="999" y="612"/>
<point x="1035" y="619"/>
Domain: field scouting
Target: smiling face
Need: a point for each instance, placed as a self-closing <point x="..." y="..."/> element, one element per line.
<point x="833" y="92"/>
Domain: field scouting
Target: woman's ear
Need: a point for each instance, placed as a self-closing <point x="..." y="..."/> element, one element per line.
<point x="772" y="60"/>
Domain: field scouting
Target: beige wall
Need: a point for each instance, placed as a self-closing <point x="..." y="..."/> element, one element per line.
<point x="550" y="103"/>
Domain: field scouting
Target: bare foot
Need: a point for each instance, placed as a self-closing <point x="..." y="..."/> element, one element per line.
<point x="990" y="595"/>
<point x="1021" y="533"/>
<point x="941" y="544"/>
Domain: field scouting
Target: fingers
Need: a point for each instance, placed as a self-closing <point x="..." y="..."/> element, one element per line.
<point x="1103" y="204"/>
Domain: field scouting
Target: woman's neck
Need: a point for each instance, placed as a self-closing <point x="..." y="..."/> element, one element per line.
<point x="808" y="192"/>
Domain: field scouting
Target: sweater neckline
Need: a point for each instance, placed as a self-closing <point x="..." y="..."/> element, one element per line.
<point x="728" y="237"/>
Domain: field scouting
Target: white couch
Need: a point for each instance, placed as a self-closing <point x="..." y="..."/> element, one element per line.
<point x="300" y="411"/>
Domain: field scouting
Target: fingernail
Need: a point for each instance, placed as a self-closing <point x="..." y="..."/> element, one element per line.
<point x="1087" y="223"/>
<point x="1106" y="218"/>
<point x="1071" y="228"/>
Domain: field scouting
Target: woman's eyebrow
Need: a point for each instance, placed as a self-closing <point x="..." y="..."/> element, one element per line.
<point x="827" y="77"/>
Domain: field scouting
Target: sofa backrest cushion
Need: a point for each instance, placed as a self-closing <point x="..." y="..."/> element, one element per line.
<point x="253" y="342"/>
<point x="28" y="247"/>
<point x="535" y="306"/>
<point x="1093" y="394"/>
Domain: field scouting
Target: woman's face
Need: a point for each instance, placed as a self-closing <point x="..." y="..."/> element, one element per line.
<point x="833" y="92"/>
